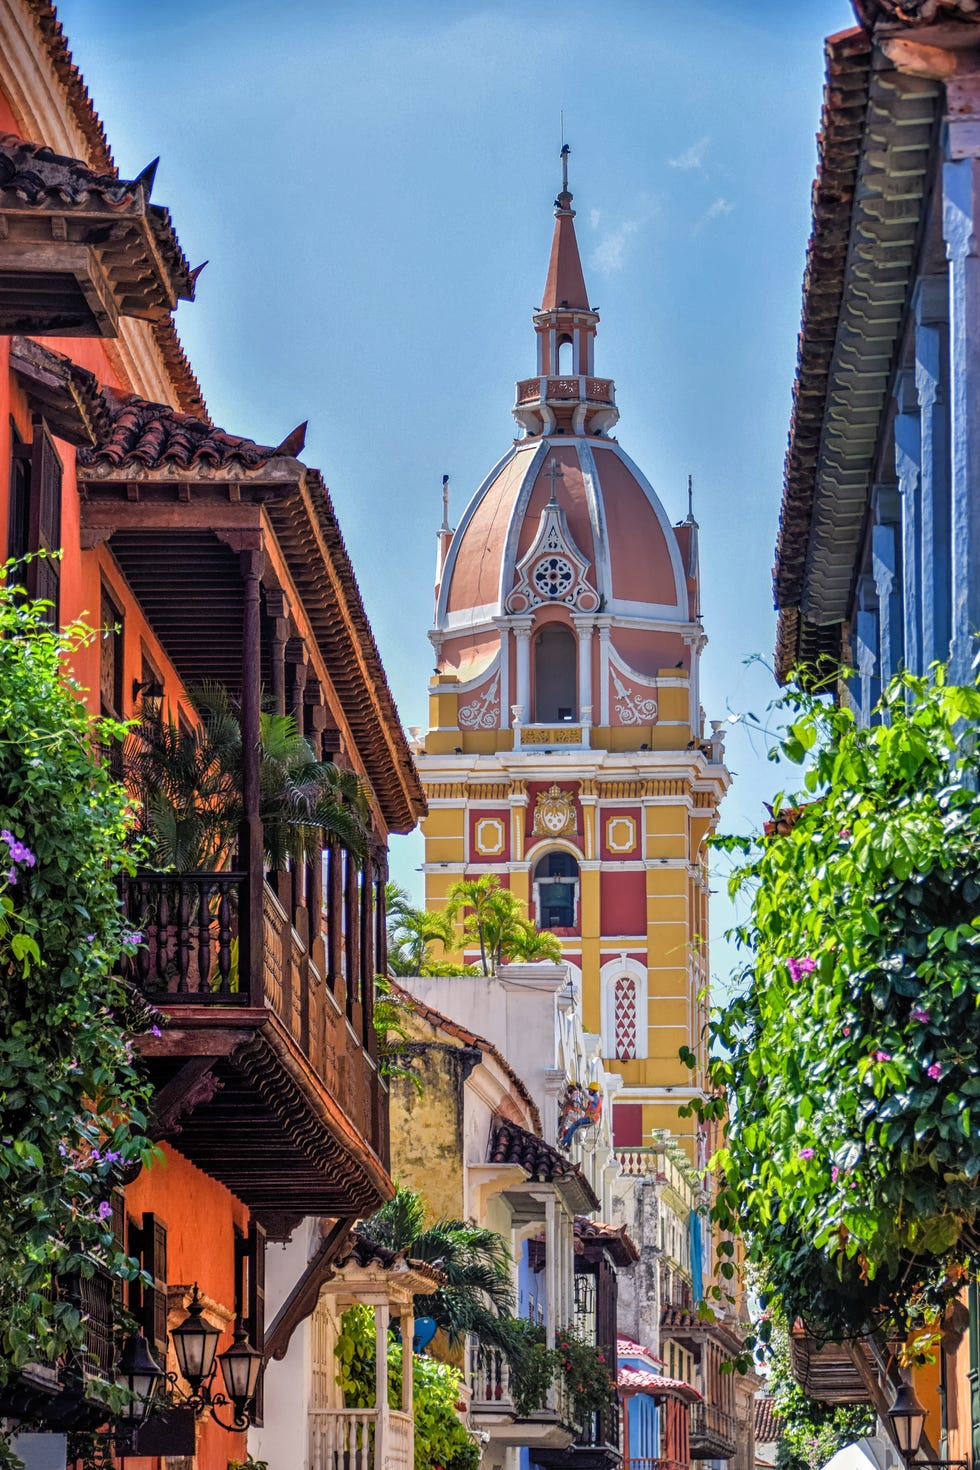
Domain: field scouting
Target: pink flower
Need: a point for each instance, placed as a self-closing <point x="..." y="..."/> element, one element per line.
<point x="847" y="1030"/>
<point x="806" y="1153"/>
<point x="799" y="968"/>
<point x="834" y="1173"/>
<point x="883" y="1056"/>
<point x="935" y="1071"/>
<point x="919" y="1013"/>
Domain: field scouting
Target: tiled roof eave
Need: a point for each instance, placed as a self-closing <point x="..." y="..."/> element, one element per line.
<point x="866" y="224"/>
<point x="914" y="12"/>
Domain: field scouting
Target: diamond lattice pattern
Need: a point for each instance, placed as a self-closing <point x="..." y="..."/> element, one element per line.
<point x="625" y="995"/>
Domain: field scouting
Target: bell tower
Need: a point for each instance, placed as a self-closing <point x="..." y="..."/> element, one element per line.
<point x="566" y="749"/>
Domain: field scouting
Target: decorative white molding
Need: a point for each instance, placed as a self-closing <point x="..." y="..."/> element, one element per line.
<point x="631" y="706"/>
<point x="483" y="712"/>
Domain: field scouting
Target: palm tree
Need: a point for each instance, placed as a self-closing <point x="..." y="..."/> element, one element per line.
<point x="412" y="933"/>
<point x="188" y="782"/>
<point x="478" y="1296"/>
<point x="495" y="918"/>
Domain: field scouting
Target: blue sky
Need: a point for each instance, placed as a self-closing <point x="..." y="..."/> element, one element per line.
<point x="372" y="184"/>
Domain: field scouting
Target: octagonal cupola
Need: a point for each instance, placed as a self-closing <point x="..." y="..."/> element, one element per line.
<point x="565" y="396"/>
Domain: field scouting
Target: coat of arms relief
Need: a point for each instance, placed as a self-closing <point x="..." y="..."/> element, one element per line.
<point x="554" y="813"/>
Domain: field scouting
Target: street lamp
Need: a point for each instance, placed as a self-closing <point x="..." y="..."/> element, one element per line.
<point x="139" y="1372"/>
<point x="196" y="1345"/>
<point x="908" y="1418"/>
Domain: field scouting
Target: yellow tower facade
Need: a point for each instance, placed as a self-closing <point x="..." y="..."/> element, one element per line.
<point x="566" y="751"/>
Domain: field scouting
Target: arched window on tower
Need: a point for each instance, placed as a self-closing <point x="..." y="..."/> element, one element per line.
<point x="624" y="1002"/>
<point x="566" y="361"/>
<point x="623" y="996"/>
<point x="555" y="671"/>
<point x="556" y="891"/>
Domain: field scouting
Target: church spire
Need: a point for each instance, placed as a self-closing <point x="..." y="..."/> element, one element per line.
<point x="565" y="286"/>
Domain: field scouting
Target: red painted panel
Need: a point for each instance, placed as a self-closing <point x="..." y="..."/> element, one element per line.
<point x="487" y="814"/>
<point x="627" y="1122"/>
<point x="623" y="903"/>
<point x="620" y="815"/>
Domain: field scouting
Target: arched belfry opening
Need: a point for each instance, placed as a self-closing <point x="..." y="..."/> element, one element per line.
<point x="555" y="675"/>
<point x="555" y="886"/>
<point x="566" y="364"/>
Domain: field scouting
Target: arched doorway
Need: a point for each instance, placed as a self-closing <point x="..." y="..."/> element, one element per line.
<point x="555" y="691"/>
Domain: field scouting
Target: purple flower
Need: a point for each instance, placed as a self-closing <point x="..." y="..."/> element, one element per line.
<point x="919" y="1013"/>
<point x="799" y="968"/>
<point x="806" y="1153"/>
<point x="19" y="851"/>
<point x="935" y="1071"/>
<point x="7" y="837"/>
<point x="155" y="1031"/>
<point x="12" y="876"/>
<point x="883" y="1056"/>
<point x="133" y="937"/>
<point x="90" y="939"/>
<point x="834" y="1173"/>
<point x="104" y="1212"/>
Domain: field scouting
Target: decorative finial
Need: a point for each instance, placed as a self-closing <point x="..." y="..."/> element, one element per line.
<point x="445" y="503"/>
<point x="690" y="497"/>
<point x="565" y="151"/>
<point x="554" y="473"/>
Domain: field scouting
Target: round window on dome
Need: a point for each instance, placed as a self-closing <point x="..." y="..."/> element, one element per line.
<point x="553" y="576"/>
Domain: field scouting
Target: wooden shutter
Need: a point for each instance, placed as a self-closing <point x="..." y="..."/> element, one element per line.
<point x="251" y="1300"/>
<point x="154" y="1261"/>
<point x="43" y="573"/>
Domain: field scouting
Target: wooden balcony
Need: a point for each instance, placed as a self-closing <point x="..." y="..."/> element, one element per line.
<point x="643" y="1462"/>
<point x="596" y="1446"/>
<point x="64" y="1395"/>
<point x="713" y="1433"/>
<point x="361" y="1439"/>
<point x="265" y="1072"/>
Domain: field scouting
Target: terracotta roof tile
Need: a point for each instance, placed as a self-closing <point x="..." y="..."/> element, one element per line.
<point x="626" y="1347"/>
<point x="510" y="1144"/>
<point x="34" y="177"/>
<point x="164" y="332"/>
<point x="613" y="1238"/>
<point x="678" y="1317"/>
<point x="367" y="1252"/>
<point x="914" y="12"/>
<point x="637" y="1380"/>
<point x="150" y="436"/>
<point x="768" y="1424"/>
<point x="468" y="1038"/>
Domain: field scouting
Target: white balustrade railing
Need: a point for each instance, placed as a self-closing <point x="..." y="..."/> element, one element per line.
<point x="361" y="1439"/>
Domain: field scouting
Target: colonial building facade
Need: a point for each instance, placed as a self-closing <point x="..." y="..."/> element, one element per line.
<point x="567" y="752"/>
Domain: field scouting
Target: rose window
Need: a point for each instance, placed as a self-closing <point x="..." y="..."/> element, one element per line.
<point x="553" y="576"/>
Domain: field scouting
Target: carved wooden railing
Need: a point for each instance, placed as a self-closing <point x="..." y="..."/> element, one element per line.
<point x="361" y="1439"/>
<point x="714" y="1428"/>
<point x="189" y="926"/>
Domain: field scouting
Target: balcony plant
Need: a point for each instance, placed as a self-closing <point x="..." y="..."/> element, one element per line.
<point x="583" y="1365"/>
<point x="73" y="1106"/>
<point x="441" y="1440"/>
<point x="849" y="1061"/>
<point x="187" y="781"/>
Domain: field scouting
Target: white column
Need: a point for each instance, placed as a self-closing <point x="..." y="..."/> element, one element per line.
<point x="604" y="633"/>
<point x="381" y="1385"/>
<point x="504" y="631"/>
<point x="522" y="633"/>
<point x="408" y="1359"/>
<point x="551" y="1268"/>
<point x="584" y="631"/>
<point x="961" y="206"/>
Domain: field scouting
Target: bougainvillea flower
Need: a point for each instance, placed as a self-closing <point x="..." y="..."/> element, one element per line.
<point x="919" y="1013"/>
<point x="806" y="1153"/>
<point x="883" y="1056"/>
<point x="799" y="968"/>
<point x="935" y="1071"/>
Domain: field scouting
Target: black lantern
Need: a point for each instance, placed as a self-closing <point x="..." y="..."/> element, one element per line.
<point x="908" y="1418"/>
<point x="137" y="1370"/>
<point x="240" y="1368"/>
<point x="195" y="1343"/>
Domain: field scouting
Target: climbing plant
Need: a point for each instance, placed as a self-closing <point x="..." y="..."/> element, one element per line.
<point x="848" y="1065"/>
<point x="73" y="1104"/>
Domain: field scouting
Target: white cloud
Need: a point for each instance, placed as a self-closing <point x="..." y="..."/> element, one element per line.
<point x="718" y="210"/>
<point x="692" y="157"/>
<point x="609" y="255"/>
<point x="594" y="218"/>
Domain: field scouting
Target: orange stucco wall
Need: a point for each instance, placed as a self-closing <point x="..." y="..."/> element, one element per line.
<point x="201" y="1217"/>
